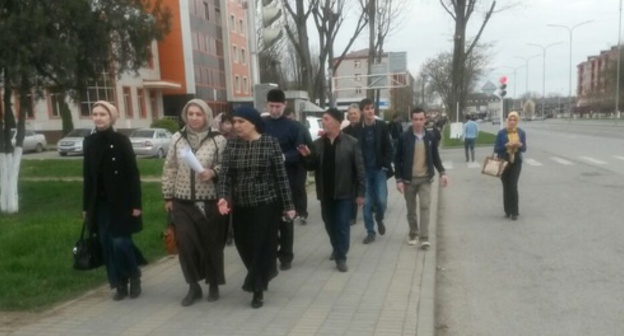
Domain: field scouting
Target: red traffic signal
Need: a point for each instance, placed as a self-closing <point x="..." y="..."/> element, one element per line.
<point x="503" y="80"/>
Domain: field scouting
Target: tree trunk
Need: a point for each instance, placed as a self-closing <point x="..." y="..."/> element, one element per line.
<point x="9" y="157"/>
<point x="66" y="117"/>
<point x="458" y="59"/>
<point x="372" y="16"/>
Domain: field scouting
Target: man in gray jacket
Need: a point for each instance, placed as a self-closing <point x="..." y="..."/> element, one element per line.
<point x="336" y="159"/>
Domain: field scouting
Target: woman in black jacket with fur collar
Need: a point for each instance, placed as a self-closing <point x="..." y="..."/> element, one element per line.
<point x="112" y="200"/>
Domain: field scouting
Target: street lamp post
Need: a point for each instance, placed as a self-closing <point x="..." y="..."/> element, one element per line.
<point x="544" y="49"/>
<point x="570" y="31"/>
<point x="526" y="61"/>
<point x="619" y="56"/>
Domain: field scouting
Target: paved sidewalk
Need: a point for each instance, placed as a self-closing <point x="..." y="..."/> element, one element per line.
<point x="389" y="290"/>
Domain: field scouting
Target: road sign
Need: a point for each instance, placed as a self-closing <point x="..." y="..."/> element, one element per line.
<point x="488" y="88"/>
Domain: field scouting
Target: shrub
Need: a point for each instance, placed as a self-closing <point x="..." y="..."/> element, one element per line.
<point x="168" y="124"/>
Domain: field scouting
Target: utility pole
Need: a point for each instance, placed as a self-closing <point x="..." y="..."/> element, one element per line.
<point x="544" y="49"/>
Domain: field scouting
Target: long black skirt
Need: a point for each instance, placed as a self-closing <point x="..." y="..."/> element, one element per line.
<point x="200" y="240"/>
<point x="255" y="236"/>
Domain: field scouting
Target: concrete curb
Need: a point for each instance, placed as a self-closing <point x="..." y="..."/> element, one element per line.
<point x="426" y="304"/>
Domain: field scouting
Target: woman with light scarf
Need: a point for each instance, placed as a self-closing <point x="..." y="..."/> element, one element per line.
<point x="510" y="144"/>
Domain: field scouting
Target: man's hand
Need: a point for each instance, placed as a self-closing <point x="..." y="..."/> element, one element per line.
<point x="443" y="180"/>
<point x="359" y="201"/>
<point x="224" y="207"/>
<point x="304" y="150"/>
<point x="401" y="187"/>
<point x="136" y="212"/>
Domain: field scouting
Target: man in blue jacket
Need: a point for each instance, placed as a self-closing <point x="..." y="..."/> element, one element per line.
<point x="290" y="137"/>
<point x="416" y="157"/>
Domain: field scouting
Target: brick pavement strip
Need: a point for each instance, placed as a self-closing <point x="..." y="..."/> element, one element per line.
<point x="389" y="290"/>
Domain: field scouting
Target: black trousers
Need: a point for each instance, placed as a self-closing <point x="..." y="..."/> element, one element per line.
<point x="299" y="192"/>
<point x="510" y="187"/>
<point x="286" y="229"/>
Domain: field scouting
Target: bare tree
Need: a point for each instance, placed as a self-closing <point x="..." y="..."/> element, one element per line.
<point x="462" y="11"/>
<point x="298" y="36"/>
<point x="439" y="71"/>
<point x="329" y="16"/>
<point x="384" y="17"/>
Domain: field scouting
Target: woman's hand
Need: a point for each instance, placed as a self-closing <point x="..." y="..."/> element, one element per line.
<point x="290" y="214"/>
<point x="206" y="175"/>
<point x="168" y="206"/>
<point x="224" y="207"/>
<point x="136" y="212"/>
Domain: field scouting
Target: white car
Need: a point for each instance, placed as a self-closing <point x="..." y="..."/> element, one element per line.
<point x="32" y="141"/>
<point x="72" y="142"/>
<point x="151" y="142"/>
<point x="315" y="126"/>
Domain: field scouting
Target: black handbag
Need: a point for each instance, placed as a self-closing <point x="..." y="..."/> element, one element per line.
<point x="87" y="251"/>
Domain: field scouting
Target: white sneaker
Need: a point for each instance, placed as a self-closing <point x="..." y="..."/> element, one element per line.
<point x="425" y="245"/>
<point x="412" y="239"/>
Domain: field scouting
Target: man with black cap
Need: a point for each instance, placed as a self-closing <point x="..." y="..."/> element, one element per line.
<point x="289" y="137"/>
<point x="336" y="159"/>
<point x="300" y="194"/>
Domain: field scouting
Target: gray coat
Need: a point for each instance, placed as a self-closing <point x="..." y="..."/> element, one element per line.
<point x="350" y="179"/>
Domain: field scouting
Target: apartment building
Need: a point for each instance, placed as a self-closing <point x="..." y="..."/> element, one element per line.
<point x="591" y="73"/>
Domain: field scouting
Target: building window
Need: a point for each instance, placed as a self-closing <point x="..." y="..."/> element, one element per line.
<point x="101" y="89"/>
<point x="241" y="27"/>
<point x="245" y="87"/>
<point x="142" y="105"/>
<point x="235" y="53"/>
<point x="358" y="91"/>
<point x="127" y="100"/>
<point x="206" y="11"/>
<point x="243" y="58"/>
<point x="150" y="60"/>
<point x="232" y="23"/>
<point x="153" y="105"/>
<point x="27" y="110"/>
<point x="358" y="78"/>
<point x="237" y="81"/>
<point x="54" y="102"/>
<point x="357" y="64"/>
<point x="217" y="9"/>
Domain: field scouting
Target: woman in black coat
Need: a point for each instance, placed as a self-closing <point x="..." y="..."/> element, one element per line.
<point x="112" y="200"/>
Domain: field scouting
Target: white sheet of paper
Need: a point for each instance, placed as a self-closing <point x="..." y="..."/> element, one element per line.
<point x="189" y="157"/>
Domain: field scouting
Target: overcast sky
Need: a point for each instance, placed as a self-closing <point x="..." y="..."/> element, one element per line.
<point x="426" y="30"/>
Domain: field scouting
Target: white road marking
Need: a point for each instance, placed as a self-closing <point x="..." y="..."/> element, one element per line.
<point x="619" y="157"/>
<point x="533" y="162"/>
<point x="592" y="160"/>
<point x="474" y="165"/>
<point x="561" y="161"/>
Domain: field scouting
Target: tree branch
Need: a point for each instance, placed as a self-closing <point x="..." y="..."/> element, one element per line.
<point x="488" y="15"/>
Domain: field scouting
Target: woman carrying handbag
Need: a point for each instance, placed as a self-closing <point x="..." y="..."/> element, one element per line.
<point x="112" y="200"/>
<point x="510" y="144"/>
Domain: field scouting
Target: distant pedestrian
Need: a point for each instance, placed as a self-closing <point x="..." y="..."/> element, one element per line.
<point x="253" y="185"/>
<point x="416" y="157"/>
<point x="191" y="198"/>
<point x="470" y="135"/>
<point x="112" y="200"/>
<point x="225" y="126"/>
<point x="510" y="144"/>
<point x="336" y="160"/>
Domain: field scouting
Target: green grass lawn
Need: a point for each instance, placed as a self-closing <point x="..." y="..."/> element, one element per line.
<point x="484" y="139"/>
<point x="36" y="265"/>
<point x="73" y="168"/>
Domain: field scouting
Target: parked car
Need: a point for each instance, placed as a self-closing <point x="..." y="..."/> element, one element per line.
<point x="72" y="142"/>
<point x="32" y="141"/>
<point x="315" y="126"/>
<point x="496" y="121"/>
<point x="151" y="141"/>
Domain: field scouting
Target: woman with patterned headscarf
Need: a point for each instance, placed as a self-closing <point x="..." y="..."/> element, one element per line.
<point x="510" y="144"/>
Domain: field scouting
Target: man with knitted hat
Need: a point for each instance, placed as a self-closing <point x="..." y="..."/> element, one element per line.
<point x="336" y="159"/>
<point x="289" y="137"/>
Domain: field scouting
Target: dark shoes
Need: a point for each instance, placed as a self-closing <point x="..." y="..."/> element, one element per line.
<point x="286" y="265"/>
<point x="194" y="293"/>
<point x="514" y="217"/>
<point x="369" y="239"/>
<point x="135" y="288"/>
<point x="258" y="300"/>
<point x="213" y="293"/>
<point x="121" y="293"/>
<point x="381" y="228"/>
<point x="341" y="265"/>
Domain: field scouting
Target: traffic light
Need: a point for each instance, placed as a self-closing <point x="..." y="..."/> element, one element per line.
<point x="270" y="13"/>
<point x="502" y="89"/>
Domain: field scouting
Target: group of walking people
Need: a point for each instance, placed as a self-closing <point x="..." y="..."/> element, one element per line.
<point x="252" y="187"/>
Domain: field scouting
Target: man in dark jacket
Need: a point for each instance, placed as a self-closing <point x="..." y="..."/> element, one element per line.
<point x="299" y="192"/>
<point x="377" y="154"/>
<point x="354" y="129"/>
<point x="416" y="157"/>
<point x="289" y="137"/>
<point x="336" y="160"/>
